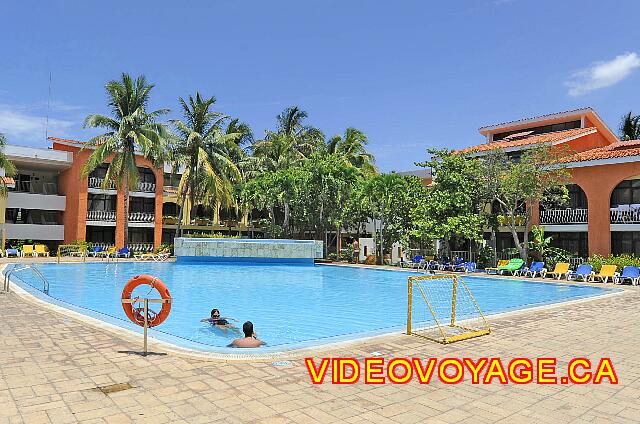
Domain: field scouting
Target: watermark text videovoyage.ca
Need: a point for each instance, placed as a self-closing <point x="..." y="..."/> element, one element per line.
<point x="377" y="370"/>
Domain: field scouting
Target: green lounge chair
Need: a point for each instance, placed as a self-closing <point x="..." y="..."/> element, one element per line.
<point x="513" y="265"/>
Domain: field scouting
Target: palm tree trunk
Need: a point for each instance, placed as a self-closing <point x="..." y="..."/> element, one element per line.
<point x="287" y="214"/>
<point x="125" y="224"/>
<point x="181" y="215"/>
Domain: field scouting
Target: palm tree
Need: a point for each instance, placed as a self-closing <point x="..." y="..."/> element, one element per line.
<point x="352" y="148"/>
<point x="291" y="144"/>
<point x="130" y="130"/>
<point x="203" y="149"/>
<point x="630" y="127"/>
<point x="7" y="165"/>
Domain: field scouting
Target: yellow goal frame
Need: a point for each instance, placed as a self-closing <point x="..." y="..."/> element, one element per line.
<point x="456" y="280"/>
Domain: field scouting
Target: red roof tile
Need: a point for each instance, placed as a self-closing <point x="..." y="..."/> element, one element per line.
<point x="553" y="137"/>
<point x="615" y="150"/>
<point x="66" y="140"/>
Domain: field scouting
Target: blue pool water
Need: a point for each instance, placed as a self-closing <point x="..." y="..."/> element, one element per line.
<point x="290" y="306"/>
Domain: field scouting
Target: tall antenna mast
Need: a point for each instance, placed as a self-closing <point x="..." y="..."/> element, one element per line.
<point x="46" y="124"/>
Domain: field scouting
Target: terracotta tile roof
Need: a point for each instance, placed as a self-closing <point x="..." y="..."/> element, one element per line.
<point x="615" y="150"/>
<point x="553" y="137"/>
<point x="67" y="140"/>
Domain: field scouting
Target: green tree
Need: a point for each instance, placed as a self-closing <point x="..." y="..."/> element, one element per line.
<point x="453" y="205"/>
<point x="204" y="150"/>
<point x="518" y="185"/>
<point x="289" y="146"/>
<point x="630" y="127"/>
<point x="130" y="129"/>
<point x="351" y="147"/>
<point x="8" y="166"/>
<point x="380" y="196"/>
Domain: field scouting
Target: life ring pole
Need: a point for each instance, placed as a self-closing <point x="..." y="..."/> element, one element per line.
<point x="146" y="315"/>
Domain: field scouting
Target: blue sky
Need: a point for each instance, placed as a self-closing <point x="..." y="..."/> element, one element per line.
<point x="411" y="74"/>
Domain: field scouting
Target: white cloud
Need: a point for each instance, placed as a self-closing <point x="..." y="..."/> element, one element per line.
<point x="20" y="126"/>
<point x="603" y="74"/>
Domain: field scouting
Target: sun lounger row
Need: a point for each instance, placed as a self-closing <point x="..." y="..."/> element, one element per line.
<point x="457" y="265"/>
<point x="584" y="272"/>
<point x="28" y="250"/>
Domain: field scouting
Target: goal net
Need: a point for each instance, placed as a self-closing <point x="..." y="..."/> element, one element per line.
<point x="441" y="308"/>
<point x="71" y="252"/>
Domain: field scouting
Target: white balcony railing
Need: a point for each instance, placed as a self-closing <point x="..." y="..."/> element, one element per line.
<point x="141" y="217"/>
<point x="95" y="182"/>
<point x="564" y="216"/>
<point x="147" y="187"/>
<point x="140" y="247"/>
<point x="101" y="215"/>
<point x="625" y="214"/>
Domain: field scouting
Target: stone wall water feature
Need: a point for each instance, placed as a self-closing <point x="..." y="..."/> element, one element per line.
<point x="299" y="252"/>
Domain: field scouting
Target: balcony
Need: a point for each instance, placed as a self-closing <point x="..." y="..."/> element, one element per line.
<point x="564" y="216"/>
<point x="95" y="182"/>
<point x="141" y="217"/>
<point x="36" y="187"/>
<point x="625" y="214"/>
<point x="49" y="231"/>
<point x="107" y="216"/>
<point x="146" y="187"/>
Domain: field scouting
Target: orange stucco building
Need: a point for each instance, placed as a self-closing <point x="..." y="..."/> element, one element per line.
<point x="603" y="215"/>
<point x="90" y="213"/>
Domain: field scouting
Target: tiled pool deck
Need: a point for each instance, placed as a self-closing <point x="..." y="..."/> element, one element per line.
<point x="51" y="366"/>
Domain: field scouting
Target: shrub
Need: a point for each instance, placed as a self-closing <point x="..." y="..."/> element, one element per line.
<point x="620" y="261"/>
<point x="486" y="256"/>
<point x="553" y="255"/>
<point x="209" y="235"/>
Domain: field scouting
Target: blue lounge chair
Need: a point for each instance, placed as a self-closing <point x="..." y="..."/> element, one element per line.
<point x="123" y="253"/>
<point x="12" y="252"/>
<point x="581" y="273"/>
<point x="416" y="261"/>
<point x="466" y="267"/>
<point x="95" y="251"/>
<point x="629" y="273"/>
<point x="453" y="264"/>
<point x="535" y="269"/>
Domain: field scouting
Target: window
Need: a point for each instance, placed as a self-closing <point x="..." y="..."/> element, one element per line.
<point x="562" y="126"/>
<point x="574" y="242"/>
<point x="625" y="242"/>
<point x="170" y="209"/>
<point x="171" y="180"/>
<point x="147" y="175"/>
<point x="101" y="234"/>
<point x="626" y="193"/>
<point x="142" y="204"/>
<point x="577" y="198"/>
<point x="101" y="202"/>
<point x="140" y="235"/>
<point x="100" y="171"/>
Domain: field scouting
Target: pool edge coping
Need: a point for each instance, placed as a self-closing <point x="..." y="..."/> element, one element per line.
<point x="156" y="344"/>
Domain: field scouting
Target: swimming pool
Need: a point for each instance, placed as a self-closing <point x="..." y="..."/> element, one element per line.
<point x="290" y="306"/>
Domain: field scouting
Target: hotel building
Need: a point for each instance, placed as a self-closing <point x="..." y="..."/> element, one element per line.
<point x="50" y="202"/>
<point x="603" y="213"/>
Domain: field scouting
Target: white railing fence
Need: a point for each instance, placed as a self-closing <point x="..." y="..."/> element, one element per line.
<point x="141" y="217"/>
<point x="141" y="247"/>
<point x="95" y="182"/>
<point x="625" y="214"/>
<point x="564" y="216"/>
<point x="101" y="215"/>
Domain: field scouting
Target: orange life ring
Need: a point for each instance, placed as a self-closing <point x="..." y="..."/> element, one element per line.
<point x="136" y="314"/>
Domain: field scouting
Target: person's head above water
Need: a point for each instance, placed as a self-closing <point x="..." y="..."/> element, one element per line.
<point x="215" y="313"/>
<point x="247" y="329"/>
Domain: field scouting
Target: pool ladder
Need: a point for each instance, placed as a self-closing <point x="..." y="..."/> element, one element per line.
<point x="33" y="268"/>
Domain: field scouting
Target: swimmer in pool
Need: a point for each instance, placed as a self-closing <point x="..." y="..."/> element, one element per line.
<point x="250" y="339"/>
<point x="221" y="322"/>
